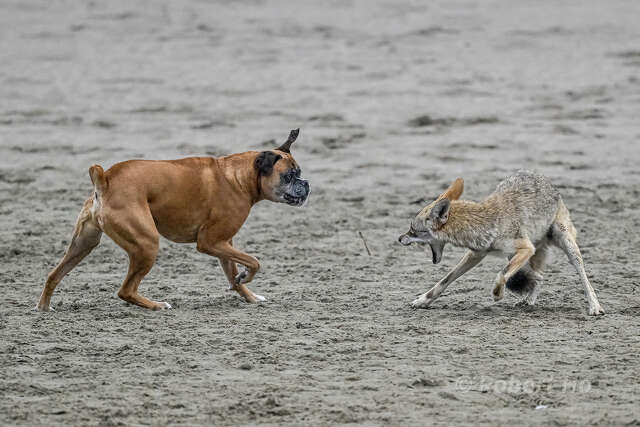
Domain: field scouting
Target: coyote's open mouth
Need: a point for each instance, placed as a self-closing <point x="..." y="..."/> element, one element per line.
<point x="436" y="251"/>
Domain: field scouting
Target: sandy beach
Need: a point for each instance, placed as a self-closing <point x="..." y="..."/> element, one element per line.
<point x="394" y="101"/>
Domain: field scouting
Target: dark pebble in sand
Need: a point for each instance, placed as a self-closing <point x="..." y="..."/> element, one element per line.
<point x="447" y="395"/>
<point x="103" y="124"/>
<point x="426" y="382"/>
<point x="426" y="120"/>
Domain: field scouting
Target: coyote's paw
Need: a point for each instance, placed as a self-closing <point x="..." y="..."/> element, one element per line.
<point x="423" y="301"/>
<point x="498" y="289"/>
<point x="596" y="310"/>
<point x="536" y="276"/>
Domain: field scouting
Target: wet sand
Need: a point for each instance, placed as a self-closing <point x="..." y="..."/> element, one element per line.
<point x="394" y="101"/>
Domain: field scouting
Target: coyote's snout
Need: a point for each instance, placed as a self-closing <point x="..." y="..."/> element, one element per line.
<point x="521" y="219"/>
<point x="432" y="218"/>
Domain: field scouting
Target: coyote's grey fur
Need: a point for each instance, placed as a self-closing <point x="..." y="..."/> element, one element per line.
<point x="521" y="219"/>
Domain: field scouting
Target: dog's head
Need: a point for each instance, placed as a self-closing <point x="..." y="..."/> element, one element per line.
<point x="279" y="175"/>
<point x="425" y="226"/>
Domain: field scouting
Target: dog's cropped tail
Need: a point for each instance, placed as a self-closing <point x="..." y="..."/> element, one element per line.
<point x="97" y="178"/>
<point x="522" y="282"/>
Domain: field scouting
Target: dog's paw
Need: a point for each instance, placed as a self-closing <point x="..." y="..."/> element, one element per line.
<point x="259" y="298"/>
<point x="241" y="277"/>
<point x="596" y="310"/>
<point x="162" y="305"/>
<point x="44" y="308"/>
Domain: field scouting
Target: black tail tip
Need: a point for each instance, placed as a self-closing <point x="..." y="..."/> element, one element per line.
<point x="521" y="283"/>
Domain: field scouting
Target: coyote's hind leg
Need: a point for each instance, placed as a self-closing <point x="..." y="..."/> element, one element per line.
<point x="564" y="236"/>
<point x="86" y="236"/>
<point x="524" y="251"/>
<point x="526" y="281"/>
<point x="537" y="263"/>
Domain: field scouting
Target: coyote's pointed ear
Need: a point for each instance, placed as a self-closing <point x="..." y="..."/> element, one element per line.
<point x="454" y="191"/>
<point x="286" y="147"/>
<point x="440" y="212"/>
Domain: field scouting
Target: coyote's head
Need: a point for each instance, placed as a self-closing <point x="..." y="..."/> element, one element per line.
<point x="425" y="226"/>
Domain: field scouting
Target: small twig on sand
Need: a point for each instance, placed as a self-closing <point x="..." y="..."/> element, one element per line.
<point x="365" y="242"/>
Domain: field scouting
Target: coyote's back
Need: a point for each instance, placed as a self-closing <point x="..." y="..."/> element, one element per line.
<point x="526" y="203"/>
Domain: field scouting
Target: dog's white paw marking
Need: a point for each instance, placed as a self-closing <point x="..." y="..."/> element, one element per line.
<point x="162" y="305"/>
<point x="43" y="308"/>
<point x="596" y="310"/>
<point x="259" y="298"/>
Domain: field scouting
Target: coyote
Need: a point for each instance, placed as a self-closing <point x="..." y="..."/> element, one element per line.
<point x="521" y="219"/>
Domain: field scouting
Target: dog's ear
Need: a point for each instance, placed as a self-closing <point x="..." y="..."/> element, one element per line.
<point x="454" y="191"/>
<point x="286" y="147"/>
<point x="440" y="212"/>
<point x="265" y="162"/>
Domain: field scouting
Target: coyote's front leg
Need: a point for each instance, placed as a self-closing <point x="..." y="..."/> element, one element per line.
<point x="468" y="261"/>
<point x="524" y="251"/>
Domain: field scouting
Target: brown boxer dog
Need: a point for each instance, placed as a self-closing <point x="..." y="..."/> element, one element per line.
<point x="201" y="200"/>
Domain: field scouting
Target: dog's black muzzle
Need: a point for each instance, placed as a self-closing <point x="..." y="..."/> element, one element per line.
<point x="298" y="193"/>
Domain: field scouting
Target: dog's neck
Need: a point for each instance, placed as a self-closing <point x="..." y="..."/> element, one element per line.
<point x="246" y="179"/>
<point x="470" y="225"/>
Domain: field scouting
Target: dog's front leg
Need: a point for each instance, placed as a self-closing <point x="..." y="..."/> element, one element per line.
<point x="237" y="280"/>
<point x="468" y="261"/>
<point x="229" y="256"/>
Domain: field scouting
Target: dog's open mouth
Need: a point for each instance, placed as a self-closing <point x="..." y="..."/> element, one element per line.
<point x="293" y="200"/>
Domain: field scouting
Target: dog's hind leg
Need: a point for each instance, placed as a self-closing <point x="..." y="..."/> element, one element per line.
<point x="86" y="236"/>
<point x="564" y="236"/>
<point x="134" y="230"/>
<point x="468" y="261"/>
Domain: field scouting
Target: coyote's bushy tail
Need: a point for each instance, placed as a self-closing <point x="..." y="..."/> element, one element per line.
<point x="96" y="173"/>
<point x="522" y="282"/>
